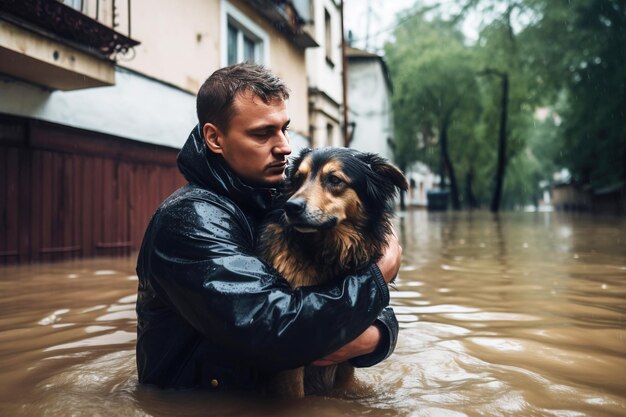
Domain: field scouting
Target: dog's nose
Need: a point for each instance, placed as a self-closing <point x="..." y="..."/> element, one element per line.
<point x="295" y="206"/>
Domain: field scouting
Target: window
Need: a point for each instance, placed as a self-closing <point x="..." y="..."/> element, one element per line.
<point x="329" y="135"/>
<point x="328" y="38"/>
<point x="312" y="136"/>
<point x="233" y="35"/>
<point x="242" y="45"/>
<point x="74" y="4"/>
<point x="244" y="41"/>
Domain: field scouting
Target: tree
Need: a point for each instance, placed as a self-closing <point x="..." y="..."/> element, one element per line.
<point x="434" y="81"/>
<point x="563" y="57"/>
<point x="586" y="61"/>
<point x="502" y="138"/>
<point x="572" y="54"/>
<point x="499" y="51"/>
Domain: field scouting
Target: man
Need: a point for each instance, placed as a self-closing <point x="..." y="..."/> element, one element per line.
<point x="210" y="312"/>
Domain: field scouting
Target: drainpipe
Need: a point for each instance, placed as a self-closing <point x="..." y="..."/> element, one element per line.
<point x="344" y="80"/>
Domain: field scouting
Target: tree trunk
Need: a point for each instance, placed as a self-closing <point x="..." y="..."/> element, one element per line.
<point x="447" y="164"/>
<point x="403" y="194"/>
<point x="500" y="171"/>
<point x="442" y="168"/>
<point x="472" y="202"/>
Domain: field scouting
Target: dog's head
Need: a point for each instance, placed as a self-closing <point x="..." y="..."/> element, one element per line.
<point x="329" y="186"/>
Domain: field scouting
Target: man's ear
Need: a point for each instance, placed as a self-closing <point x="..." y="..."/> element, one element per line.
<point x="212" y="137"/>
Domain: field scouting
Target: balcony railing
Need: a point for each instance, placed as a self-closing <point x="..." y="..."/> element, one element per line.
<point x="86" y="23"/>
<point x="285" y="17"/>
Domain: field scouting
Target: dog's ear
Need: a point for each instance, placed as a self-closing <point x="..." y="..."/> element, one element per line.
<point x="295" y="162"/>
<point x="304" y="152"/>
<point x="288" y="186"/>
<point x="383" y="180"/>
<point x="382" y="167"/>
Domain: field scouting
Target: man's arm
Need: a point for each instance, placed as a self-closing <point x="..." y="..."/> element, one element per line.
<point x="387" y="324"/>
<point x="373" y="346"/>
<point x="202" y="265"/>
<point x="378" y="341"/>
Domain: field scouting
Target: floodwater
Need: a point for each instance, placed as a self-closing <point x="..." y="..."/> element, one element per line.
<point x="521" y="315"/>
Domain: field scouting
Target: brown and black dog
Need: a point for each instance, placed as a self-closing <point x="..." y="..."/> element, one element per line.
<point x="334" y="223"/>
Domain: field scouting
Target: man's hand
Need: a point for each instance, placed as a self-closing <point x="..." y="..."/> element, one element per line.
<point x="362" y="345"/>
<point x="389" y="264"/>
<point x="367" y="342"/>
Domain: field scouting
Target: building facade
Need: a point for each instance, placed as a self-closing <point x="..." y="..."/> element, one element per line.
<point x="421" y="181"/>
<point x="96" y="98"/>
<point x="324" y="72"/>
<point x="369" y="97"/>
<point x="371" y="119"/>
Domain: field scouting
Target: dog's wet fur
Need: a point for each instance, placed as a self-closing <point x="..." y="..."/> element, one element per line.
<point x="335" y="222"/>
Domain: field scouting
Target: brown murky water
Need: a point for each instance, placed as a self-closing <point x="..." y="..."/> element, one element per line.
<point x="521" y="316"/>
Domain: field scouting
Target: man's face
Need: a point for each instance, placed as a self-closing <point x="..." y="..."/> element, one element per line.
<point x="256" y="144"/>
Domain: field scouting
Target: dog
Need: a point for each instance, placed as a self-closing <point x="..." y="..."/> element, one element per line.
<point x="334" y="222"/>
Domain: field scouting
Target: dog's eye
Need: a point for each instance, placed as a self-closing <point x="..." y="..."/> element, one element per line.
<point x="334" y="180"/>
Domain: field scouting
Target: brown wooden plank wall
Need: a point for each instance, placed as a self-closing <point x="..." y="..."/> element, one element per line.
<point x="67" y="193"/>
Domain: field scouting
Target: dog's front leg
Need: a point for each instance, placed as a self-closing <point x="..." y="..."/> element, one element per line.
<point x="287" y="384"/>
<point x="344" y="377"/>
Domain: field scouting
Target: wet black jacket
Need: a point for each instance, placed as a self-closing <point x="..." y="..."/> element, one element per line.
<point x="212" y="314"/>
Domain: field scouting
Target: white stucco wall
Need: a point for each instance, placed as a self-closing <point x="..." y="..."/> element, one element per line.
<point x="369" y="106"/>
<point x="320" y="74"/>
<point x="180" y="47"/>
<point x="136" y="108"/>
<point x="180" y="41"/>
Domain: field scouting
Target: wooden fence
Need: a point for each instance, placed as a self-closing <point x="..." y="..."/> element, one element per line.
<point x="69" y="193"/>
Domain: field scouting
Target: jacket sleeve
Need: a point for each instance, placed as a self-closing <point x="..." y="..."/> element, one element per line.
<point x="203" y="266"/>
<point x="388" y="325"/>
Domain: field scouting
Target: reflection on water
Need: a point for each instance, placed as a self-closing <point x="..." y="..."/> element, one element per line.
<point x="522" y="315"/>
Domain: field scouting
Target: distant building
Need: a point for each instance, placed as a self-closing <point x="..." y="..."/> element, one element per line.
<point x="97" y="97"/>
<point x="369" y="103"/>
<point x="421" y="181"/>
<point x="324" y="73"/>
<point x="371" y="119"/>
<point x="573" y="197"/>
<point x="610" y="199"/>
<point x="570" y="197"/>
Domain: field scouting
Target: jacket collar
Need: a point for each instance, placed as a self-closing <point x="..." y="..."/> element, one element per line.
<point x="208" y="170"/>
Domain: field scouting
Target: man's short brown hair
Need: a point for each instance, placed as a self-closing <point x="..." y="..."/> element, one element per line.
<point x="214" y="103"/>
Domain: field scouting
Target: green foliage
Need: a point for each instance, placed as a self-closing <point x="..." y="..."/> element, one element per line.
<point x="586" y="58"/>
<point x="435" y="88"/>
<point x="566" y="57"/>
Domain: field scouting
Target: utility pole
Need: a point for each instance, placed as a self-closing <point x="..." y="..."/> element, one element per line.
<point x="344" y="78"/>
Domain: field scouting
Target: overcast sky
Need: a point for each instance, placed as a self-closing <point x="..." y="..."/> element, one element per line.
<point x="382" y="20"/>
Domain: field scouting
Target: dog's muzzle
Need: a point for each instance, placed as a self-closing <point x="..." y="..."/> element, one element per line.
<point x="295" y="207"/>
<point x="303" y="220"/>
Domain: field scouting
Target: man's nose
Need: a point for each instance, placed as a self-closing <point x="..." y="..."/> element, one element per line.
<point x="282" y="147"/>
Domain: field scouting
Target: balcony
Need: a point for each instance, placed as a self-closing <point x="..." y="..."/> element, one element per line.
<point x="55" y="45"/>
<point x="288" y="17"/>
